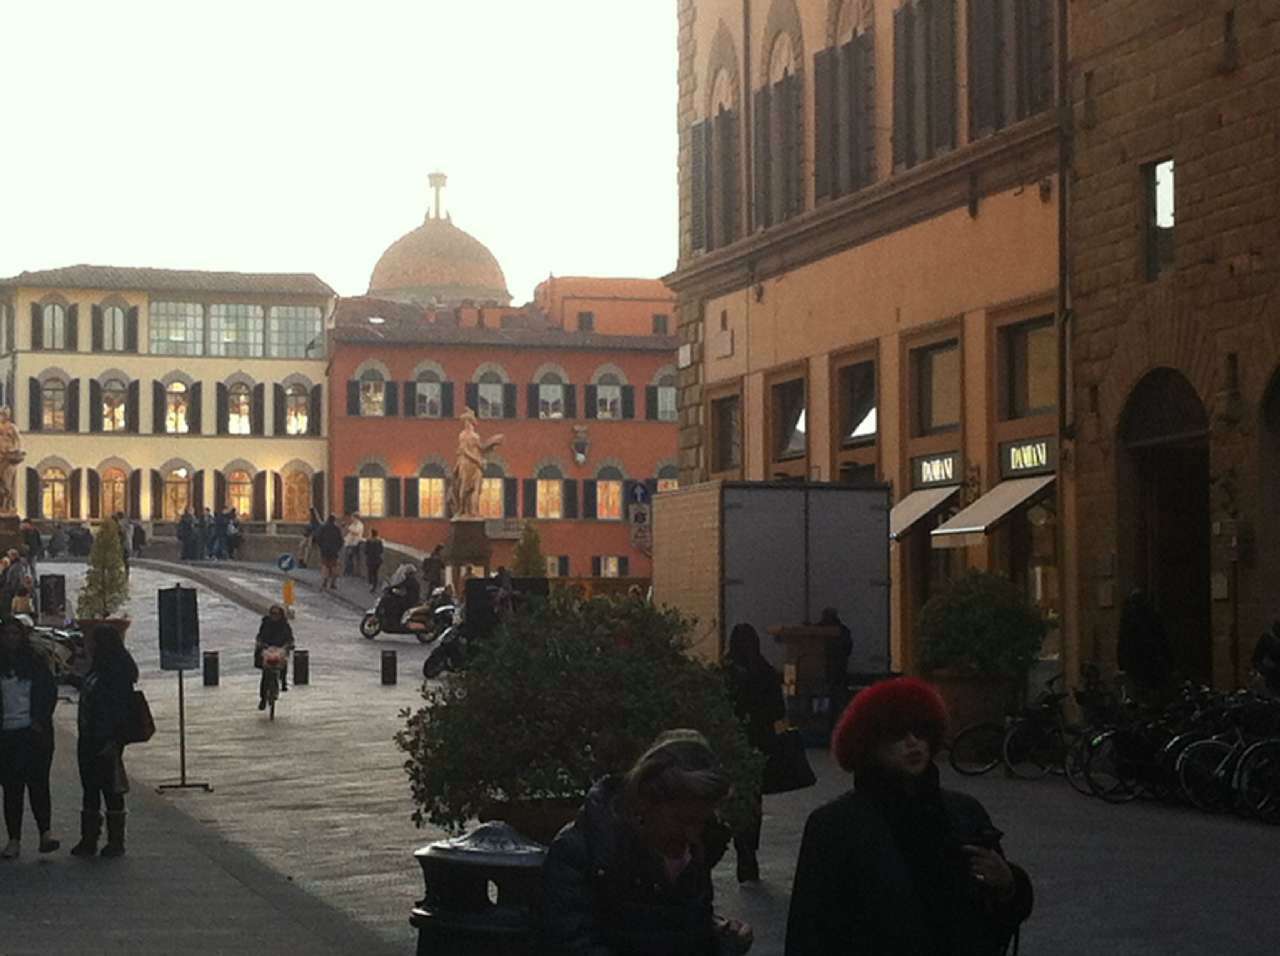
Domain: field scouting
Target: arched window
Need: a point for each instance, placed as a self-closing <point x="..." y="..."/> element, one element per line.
<point x="431" y="492"/>
<point x="491" y="493"/>
<point x="550" y="492"/>
<point x="53" y="326"/>
<point x="297" y="496"/>
<point x="373" y="491"/>
<point x="177" y="409"/>
<point x="53" y="494"/>
<point x="609" y="494"/>
<point x="113" y="492"/>
<point x="608" y="397"/>
<point x="551" y="396"/>
<point x="780" y="136"/>
<point x="489" y="390"/>
<point x="177" y="492"/>
<point x="240" y="492"/>
<point x="428" y="395"/>
<point x="113" y="325"/>
<point x="297" y="411"/>
<point x="114" y="403"/>
<point x="53" y="405"/>
<point x="667" y="410"/>
<point x="373" y="396"/>
<point x="239" y="409"/>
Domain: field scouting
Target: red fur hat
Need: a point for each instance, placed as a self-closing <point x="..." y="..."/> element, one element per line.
<point x="884" y="710"/>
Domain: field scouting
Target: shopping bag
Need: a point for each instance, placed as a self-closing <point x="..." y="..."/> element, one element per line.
<point x="787" y="765"/>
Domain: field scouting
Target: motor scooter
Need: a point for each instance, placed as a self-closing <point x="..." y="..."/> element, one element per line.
<point x="449" y="653"/>
<point x="391" y="615"/>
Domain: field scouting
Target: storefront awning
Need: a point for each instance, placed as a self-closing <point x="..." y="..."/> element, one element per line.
<point x="915" y="506"/>
<point x="979" y="518"/>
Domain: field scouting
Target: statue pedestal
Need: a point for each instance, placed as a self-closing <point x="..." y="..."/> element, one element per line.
<point x="467" y="544"/>
<point x="10" y="536"/>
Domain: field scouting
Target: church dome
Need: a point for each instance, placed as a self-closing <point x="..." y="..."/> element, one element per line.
<point x="439" y="264"/>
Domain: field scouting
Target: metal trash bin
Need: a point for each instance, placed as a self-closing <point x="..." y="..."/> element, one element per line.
<point x="211" y="668"/>
<point x="389" y="667"/>
<point x="301" y="666"/>
<point x="483" y="890"/>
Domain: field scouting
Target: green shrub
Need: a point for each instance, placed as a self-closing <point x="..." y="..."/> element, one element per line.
<point x="106" y="586"/>
<point x="560" y="696"/>
<point x="981" y="622"/>
<point x="528" y="561"/>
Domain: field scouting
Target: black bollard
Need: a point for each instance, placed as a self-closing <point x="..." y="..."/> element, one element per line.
<point x="301" y="667"/>
<point x="388" y="667"/>
<point x="210" y="660"/>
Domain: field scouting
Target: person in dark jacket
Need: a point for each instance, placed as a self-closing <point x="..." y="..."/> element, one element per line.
<point x="105" y="700"/>
<point x="188" y="535"/>
<point x="329" y="541"/>
<point x="631" y="876"/>
<point x="1266" y="659"/>
<point x="757" y="700"/>
<point x="274" y="631"/>
<point x="373" y="551"/>
<point x="433" y="570"/>
<point x="1142" y="647"/>
<point x="28" y="696"/>
<point x="308" y="540"/>
<point x="204" y="535"/>
<point x="899" y="866"/>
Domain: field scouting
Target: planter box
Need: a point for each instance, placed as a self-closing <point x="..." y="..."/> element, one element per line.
<point x="972" y="698"/>
<point x="538" y="820"/>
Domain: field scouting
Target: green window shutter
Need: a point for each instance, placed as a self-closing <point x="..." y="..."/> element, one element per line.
<point x="698" y="186"/>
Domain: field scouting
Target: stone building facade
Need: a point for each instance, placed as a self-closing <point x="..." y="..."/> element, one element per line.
<point x="1173" y="461"/>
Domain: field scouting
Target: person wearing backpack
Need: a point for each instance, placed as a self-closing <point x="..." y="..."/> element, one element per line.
<point x="28" y="696"/>
<point x="106" y="699"/>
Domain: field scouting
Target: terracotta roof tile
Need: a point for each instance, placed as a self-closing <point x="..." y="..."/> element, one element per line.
<point x="128" y="278"/>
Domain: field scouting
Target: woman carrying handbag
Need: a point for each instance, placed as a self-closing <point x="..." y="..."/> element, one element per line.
<point x="28" y="695"/>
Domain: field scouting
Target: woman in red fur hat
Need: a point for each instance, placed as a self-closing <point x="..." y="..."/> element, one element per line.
<point x="899" y="866"/>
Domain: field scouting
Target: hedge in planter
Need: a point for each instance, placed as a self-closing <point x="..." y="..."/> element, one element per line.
<point x="559" y="697"/>
<point x="980" y="622"/>
<point x="106" y="585"/>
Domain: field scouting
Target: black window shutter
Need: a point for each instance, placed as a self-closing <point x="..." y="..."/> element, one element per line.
<point x="825" y="125"/>
<point x="132" y="400"/>
<point x="315" y="414"/>
<point x="762" y="204"/>
<point x="628" y="401"/>
<point x="511" y="497"/>
<point x="392" y="497"/>
<point x="157" y="408"/>
<point x="571" y="401"/>
<point x="651" y="486"/>
<point x="411" y="498"/>
<point x="219" y="490"/>
<point x="698" y="185"/>
<point x="1036" y="41"/>
<point x="531" y="497"/>
<point x="277" y="496"/>
<point x="780" y="150"/>
<point x="197" y="491"/>
<point x="942" y="76"/>
<point x="131" y="330"/>
<point x="195" y="411"/>
<point x="509" y="393"/>
<point x="95" y="406"/>
<point x="864" y="161"/>
<point x="135" y="493"/>
<point x="73" y="405"/>
<point x="95" y="493"/>
<point x="37" y="328"/>
<point x="590" y="400"/>
<point x="258" y="410"/>
<point x="72" y="338"/>
<point x="318" y="493"/>
<point x="902" y="153"/>
<point x="725" y="178"/>
<point x="589" y="498"/>
<point x="409" y="402"/>
<point x="563" y="565"/>
<point x="390" y="399"/>
<point x="278" y="424"/>
<point x="473" y="397"/>
<point x="446" y="399"/>
<point x="73" y="493"/>
<point x="33" y="493"/>
<point x="157" y="496"/>
<point x="350" y="495"/>
<point x="353" y="398"/>
<point x="95" y="328"/>
<point x="35" y="398"/>
<point x="982" y="67"/>
<point x="569" y="494"/>
<point x="595" y="565"/>
<point x="628" y="495"/>
<point x="651" y="403"/>
<point x="220" y="404"/>
<point x="624" y="566"/>
<point x="531" y="400"/>
<point x="260" y="496"/>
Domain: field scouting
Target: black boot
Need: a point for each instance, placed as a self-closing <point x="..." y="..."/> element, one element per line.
<point x="748" y="868"/>
<point x="115" y="834"/>
<point x="90" y="827"/>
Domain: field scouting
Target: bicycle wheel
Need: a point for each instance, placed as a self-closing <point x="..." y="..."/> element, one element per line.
<point x="1258" y="780"/>
<point x="1200" y="774"/>
<point x="977" y="749"/>
<point x="1030" y="749"/>
<point x="1108" y="770"/>
<point x="1074" y="762"/>
<point x="273" y="692"/>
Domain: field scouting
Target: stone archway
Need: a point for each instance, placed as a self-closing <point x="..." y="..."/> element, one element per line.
<point x="1163" y="513"/>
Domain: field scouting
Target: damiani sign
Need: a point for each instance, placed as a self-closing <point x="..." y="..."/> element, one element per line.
<point x="1036" y="456"/>
<point x="936" y="470"/>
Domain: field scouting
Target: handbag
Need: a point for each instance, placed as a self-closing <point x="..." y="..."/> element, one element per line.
<point x="787" y="765"/>
<point x="140" y="725"/>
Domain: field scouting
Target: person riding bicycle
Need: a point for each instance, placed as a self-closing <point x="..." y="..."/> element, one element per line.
<point x="273" y="632"/>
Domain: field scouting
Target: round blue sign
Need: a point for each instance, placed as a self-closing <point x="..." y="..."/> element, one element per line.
<point x="285" y="562"/>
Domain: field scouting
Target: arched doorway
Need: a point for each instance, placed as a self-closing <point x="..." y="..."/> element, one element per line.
<point x="1268" y="537"/>
<point x="1163" y="518"/>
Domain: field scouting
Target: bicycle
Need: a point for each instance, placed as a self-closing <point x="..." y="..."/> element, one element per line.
<point x="274" y="661"/>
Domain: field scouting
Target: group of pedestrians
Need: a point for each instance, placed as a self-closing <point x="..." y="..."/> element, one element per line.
<point x="210" y="536"/>
<point x="28" y="697"/>
<point x="345" y="547"/>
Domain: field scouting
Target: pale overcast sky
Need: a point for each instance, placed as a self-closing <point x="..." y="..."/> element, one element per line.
<point x="284" y="136"/>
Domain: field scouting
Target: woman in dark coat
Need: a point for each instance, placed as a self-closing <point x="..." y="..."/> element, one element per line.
<point x="28" y="695"/>
<point x="631" y="876"/>
<point x="757" y="700"/>
<point x="899" y="866"/>
<point x="105" y="700"/>
<point x="274" y="631"/>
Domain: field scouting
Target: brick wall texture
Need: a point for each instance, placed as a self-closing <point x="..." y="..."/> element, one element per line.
<point x="686" y="560"/>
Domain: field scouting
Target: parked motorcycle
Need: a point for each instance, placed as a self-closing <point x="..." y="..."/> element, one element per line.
<point x="449" y="653"/>
<point x="392" y="615"/>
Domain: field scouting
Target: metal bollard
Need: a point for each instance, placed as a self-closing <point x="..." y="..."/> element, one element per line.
<point x="388" y="667"/>
<point x="210" y="661"/>
<point x="301" y="667"/>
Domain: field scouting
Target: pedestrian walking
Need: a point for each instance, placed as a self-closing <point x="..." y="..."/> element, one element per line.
<point x="235" y="534"/>
<point x="329" y="541"/>
<point x="631" y="876"/>
<point x="353" y="535"/>
<point x="105" y="699"/>
<point x="308" y="542"/>
<point x="57" y="541"/>
<point x="139" y="539"/>
<point x="188" y="535"/>
<point x="836" y="660"/>
<point x="221" y="534"/>
<point x="756" y="688"/>
<point x="433" y="570"/>
<point x="899" y="866"/>
<point x="274" y="631"/>
<point x="204" y="534"/>
<point x="373" y="551"/>
<point x="125" y="530"/>
<point x="28" y="696"/>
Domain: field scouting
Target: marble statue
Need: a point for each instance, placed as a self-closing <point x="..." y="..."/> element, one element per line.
<point x="11" y="454"/>
<point x="468" y="469"/>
